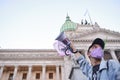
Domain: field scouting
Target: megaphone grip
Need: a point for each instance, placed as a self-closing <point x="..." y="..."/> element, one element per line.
<point x="72" y="49"/>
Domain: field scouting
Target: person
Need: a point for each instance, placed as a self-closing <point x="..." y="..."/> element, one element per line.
<point x="98" y="69"/>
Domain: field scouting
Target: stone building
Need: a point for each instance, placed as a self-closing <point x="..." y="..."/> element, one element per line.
<point x="45" y="64"/>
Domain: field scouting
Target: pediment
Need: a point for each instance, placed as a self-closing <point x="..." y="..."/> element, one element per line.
<point x="101" y="33"/>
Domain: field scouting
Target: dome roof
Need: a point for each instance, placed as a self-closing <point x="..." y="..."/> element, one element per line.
<point x="68" y="25"/>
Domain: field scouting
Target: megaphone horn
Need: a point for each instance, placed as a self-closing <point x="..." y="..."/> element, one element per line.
<point x="62" y="37"/>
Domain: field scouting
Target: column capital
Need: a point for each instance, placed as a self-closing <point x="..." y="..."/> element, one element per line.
<point x="112" y="52"/>
<point x="112" y="49"/>
<point x="57" y="65"/>
<point x="30" y="65"/>
<point x="2" y="65"/>
<point x="16" y="65"/>
<point x="62" y="65"/>
<point x="43" y="65"/>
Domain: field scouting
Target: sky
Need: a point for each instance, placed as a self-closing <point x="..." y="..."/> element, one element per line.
<point x="34" y="24"/>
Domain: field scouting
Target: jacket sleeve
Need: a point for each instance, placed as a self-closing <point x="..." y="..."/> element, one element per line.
<point x="116" y="68"/>
<point x="118" y="74"/>
<point x="117" y="71"/>
<point x="84" y="65"/>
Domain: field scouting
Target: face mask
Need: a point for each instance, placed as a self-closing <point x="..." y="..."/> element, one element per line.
<point x="97" y="53"/>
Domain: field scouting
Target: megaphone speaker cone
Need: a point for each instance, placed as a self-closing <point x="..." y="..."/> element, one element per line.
<point x="62" y="38"/>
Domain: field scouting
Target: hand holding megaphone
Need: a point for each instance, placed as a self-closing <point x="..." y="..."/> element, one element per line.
<point x="63" y="45"/>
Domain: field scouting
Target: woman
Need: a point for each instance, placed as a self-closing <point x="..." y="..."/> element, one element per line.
<point x="98" y="69"/>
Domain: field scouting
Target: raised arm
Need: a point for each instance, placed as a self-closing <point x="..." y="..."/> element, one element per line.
<point x="81" y="60"/>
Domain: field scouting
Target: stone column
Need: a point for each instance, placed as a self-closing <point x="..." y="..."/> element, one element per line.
<point x="62" y="72"/>
<point x="1" y="71"/>
<point x="57" y="73"/>
<point x="112" y="52"/>
<point x="43" y="72"/>
<point x="15" y="72"/>
<point x="29" y="72"/>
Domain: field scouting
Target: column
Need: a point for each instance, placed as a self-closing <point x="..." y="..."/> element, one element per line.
<point x="57" y="73"/>
<point x="62" y="72"/>
<point x="1" y="71"/>
<point x="15" y="72"/>
<point x="112" y="52"/>
<point x="43" y="72"/>
<point x="29" y="73"/>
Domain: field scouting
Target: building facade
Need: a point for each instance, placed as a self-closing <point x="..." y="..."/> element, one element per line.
<point x="45" y="64"/>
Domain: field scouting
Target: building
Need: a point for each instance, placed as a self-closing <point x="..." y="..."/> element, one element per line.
<point x="45" y="64"/>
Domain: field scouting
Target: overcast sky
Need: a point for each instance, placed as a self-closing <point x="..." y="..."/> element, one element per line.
<point x="35" y="24"/>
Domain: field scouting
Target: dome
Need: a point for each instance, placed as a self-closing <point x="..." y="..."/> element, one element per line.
<point x="68" y="25"/>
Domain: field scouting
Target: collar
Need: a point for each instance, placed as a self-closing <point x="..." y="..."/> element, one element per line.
<point x="103" y="65"/>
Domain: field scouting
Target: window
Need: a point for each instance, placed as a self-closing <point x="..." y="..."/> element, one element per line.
<point x="10" y="76"/>
<point x="24" y="76"/>
<point x="50" y="75"/>
<point x="37" y="75"/>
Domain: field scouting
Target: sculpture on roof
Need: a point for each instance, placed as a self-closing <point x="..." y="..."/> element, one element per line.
<point x="84" y="22"/>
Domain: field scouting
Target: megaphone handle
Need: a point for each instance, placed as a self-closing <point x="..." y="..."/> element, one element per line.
<point x="71" y="49"/>
<point x="68" y="47"/>
<point x="66" y="51"/>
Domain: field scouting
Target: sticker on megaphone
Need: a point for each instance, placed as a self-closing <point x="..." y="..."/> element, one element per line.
<point x="61" y="48"/>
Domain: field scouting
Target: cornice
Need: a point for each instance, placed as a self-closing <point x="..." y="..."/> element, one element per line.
<point x="29" y="54"/>
<point x="26" y="56"/>
<point x="27" y="50"/>
<point x="109" y="31"/>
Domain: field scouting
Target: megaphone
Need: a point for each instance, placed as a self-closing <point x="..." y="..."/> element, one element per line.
<point x="63" y="39"/>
